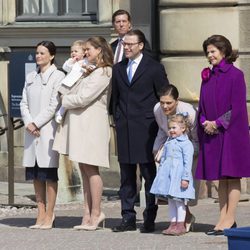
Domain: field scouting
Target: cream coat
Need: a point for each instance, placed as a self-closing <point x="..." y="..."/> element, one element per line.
<point x="85" y="133"/>
<point x="38" y="105"/>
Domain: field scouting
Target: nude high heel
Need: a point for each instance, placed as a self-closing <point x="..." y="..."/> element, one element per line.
<point x="49" y="226"/>
<point x="36" y="226"/>
<point x="101" y="219"/>
<point x="80" y="227"/>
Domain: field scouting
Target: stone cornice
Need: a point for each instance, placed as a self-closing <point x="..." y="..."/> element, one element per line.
<point x="23" y="36"/>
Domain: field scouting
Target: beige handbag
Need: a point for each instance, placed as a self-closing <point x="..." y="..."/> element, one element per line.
<point x="159" y="153"/>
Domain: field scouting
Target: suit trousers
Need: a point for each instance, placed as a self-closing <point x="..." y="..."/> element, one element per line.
<point x="128" y="192"/>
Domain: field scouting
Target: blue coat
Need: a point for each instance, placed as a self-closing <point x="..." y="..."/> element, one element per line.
<point x="175" y="166"/>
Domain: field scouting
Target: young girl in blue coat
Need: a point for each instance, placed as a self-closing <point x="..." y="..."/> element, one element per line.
<point x="174" y="177"/>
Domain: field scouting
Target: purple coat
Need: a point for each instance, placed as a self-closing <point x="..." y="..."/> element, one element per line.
<point x="226" y="154"/>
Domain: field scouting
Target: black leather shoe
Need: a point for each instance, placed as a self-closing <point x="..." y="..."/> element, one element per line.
<point x="147" y="229"/>
<point x="219" y="232"/>
<point x="125" y="226"/>
<point x="210" y="232"/>
<point x="215" y="232"/>
<point x="234" y="225"/>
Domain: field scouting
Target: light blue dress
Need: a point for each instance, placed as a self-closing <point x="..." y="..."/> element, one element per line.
<point x="175" y="166"/>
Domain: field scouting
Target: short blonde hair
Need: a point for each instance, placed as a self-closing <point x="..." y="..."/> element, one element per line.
<point x="182" y="119"/>
<point x="80" y="43"/>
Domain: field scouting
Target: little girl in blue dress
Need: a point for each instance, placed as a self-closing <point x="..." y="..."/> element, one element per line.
<point x="174" y="179"/>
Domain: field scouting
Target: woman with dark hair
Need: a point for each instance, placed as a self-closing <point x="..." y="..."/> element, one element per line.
<point x="223" y="128"/>
<point x="170" y="105"/>
<point x="85" y="133"/>
<point x="38" y="106"/>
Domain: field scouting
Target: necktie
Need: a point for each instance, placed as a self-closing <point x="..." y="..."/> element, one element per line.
<point x="118" y="51"/>
<point x="130" y="70"/>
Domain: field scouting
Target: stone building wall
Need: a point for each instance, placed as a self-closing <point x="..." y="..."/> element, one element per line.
<point x="183" y="26"/>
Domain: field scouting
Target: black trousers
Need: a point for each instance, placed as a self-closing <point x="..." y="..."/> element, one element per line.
<point x="128" y="191"/>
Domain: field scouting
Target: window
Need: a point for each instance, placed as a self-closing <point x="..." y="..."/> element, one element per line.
<point x="56" y="10"/>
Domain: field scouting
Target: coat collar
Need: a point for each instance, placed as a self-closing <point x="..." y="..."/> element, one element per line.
<point x="183" y="137"/>
<point x="223" y="66"/>
<point x="140" y="69"/>
<point x="46" y="75"/>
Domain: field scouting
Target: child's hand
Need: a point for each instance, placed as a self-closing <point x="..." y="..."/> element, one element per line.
<point x="75" y="59"/>
<point x="184" y="184"/>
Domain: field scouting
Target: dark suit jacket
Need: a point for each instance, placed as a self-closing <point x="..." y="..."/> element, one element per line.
<point x="147" y="50"/>
<point x="133" y="109"/>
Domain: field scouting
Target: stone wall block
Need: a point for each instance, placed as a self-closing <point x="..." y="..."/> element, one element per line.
<point x="244" y="29"/>
<point x="248" y="108"/>
<point x="69" y="186"/>
<point x="105" y="10"/>
<point x="3" y="102"/>
<point x="197" y="2"/>
<point x="184" y="30"/>
<point x="244" y="65"/>
<point x="184" y="73"/>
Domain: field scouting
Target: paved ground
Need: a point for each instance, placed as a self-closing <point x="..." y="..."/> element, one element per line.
<point x="15" y="220"/>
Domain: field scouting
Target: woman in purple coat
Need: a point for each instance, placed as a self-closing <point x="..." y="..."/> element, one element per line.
<point x="223" y="128"/>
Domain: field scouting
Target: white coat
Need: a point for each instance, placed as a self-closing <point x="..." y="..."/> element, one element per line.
<point x="84" y="134"/>
<point x="38" y="105"/>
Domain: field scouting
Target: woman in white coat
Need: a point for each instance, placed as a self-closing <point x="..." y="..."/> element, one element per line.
<point x="38" y="106"/>
<point x="169" y="105"/>
<point x="85" y="132"/>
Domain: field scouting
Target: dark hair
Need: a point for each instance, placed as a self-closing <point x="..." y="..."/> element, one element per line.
<point x="106" y="54"/>
<point x="120" y="12"/>
<point x="169" y="89"/>
<point x="51" y="48"/>
<point x="223" y="45"/>
<point x="140" y="35"/>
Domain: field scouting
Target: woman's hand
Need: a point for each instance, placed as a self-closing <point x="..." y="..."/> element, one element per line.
<point x="33" y="129"/>
<point x="184" y="184"/>
<point x="210" y="127"/>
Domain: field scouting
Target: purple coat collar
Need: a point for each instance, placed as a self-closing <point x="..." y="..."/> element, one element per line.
<point x="223" y="66"/>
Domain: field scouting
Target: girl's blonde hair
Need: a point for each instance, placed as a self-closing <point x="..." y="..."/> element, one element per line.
<point x="80" y="43"/>
<point x="182" y="119"/>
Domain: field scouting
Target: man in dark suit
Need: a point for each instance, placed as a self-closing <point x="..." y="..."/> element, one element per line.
<point x="121" y="21"/>
<point x="135" y="83"/>
<point x="122" y="24"/>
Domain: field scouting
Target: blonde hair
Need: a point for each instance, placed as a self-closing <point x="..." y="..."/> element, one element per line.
<point x="183" y="120"/>
<point x="80" y="43"/>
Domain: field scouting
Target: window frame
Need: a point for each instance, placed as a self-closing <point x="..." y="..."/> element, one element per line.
<point x="61" y="16"/>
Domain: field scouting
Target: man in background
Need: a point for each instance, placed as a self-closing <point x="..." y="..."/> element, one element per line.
<point x="122" y="24"/>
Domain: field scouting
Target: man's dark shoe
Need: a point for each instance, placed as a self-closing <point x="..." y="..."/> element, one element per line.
<point x="125" y="226"/>
<point x="147" y="229"/>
